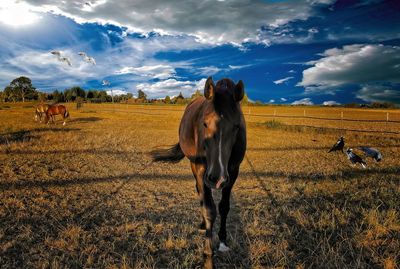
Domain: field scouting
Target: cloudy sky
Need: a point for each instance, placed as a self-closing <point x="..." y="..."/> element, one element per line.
<point x="285" y="51"/>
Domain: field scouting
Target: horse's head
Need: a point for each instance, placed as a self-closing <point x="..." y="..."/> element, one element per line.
<point x="221" y="124"/>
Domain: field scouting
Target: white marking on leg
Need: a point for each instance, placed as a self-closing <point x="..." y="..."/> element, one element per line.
<point x="223" y="247"/>
<point x="64" y="123"/>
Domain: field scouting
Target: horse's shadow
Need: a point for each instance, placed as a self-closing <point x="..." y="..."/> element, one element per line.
<point x="28" y="135"/>
<point x="86" y="119"/>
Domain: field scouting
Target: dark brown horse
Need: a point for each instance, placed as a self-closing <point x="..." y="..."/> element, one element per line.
<point x="54" y="110"/>
<point x="212" y="135"/>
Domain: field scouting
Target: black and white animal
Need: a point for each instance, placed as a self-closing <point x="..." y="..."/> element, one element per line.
<point x="339" y="145"/>
<point x="354" y="158"/>
<point x="87" y="58"/>
<point x="372" y="153"/>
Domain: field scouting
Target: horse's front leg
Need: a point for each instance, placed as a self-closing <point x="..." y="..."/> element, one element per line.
<point x="223" y="208"/>
<point x="198" y="170"/>
<point x="209" y="214"/>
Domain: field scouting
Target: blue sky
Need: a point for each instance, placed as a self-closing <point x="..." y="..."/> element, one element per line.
<point x="302" y="52"/>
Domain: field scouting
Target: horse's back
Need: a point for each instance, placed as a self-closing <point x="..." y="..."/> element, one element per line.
<point x="56" y="109"/>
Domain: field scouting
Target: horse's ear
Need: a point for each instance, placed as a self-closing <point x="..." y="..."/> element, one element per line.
<point x="209" y="89"/>
<point x="239" y="91"/>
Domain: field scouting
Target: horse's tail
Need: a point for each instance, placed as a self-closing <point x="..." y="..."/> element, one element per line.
<point x="172" y="155"/>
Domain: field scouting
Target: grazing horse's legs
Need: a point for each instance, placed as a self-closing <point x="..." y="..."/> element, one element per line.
<point x="198" y="172"/>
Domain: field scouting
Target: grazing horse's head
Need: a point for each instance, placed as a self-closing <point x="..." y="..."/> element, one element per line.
<point x="222" y="122"/>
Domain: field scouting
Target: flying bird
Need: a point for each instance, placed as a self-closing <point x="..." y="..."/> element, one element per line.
<point x="372" y="153"/>
<point x="65" y="60"/>
<point x="105" y="83"/>
<point x="354" y="158"/>
<point x="339" y="145"/>
<point x="56" y="52"/>
<point x="60" y="57"/>
<point x="87" y="58"/>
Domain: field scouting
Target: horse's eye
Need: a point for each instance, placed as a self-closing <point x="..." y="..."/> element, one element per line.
<point x="205" y="125"/>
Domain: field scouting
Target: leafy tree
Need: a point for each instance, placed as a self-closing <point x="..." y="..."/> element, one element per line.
<point x="167" y="99"/>
<point x="142" y="95"/>
<point x="9" y="94"/>
<point x="68" y="95"/>
<point x="23" y="89"/>
<point x="58" y="97"/>
<point x="42" y="97"/>
<point x="78" y="92"/>
<point x="196" y="94"/>
<point x="90" y="95"/>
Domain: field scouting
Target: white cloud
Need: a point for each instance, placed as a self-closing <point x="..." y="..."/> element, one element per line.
<point x="330" y="103"/>
<point x="16" y="14"/>
<point x="171" y="87"/>
<point x="208" y="70"/>
<point x="217" y="23"/>
<point x="377" y="93"/>
<point x="235" y="67"/>
<point x="272" y="101"/>
<point x="283" y="80"/>
<point x="283" y="99"/>
<point x="304" y="101"/>
<point x="353" y="64"/>
<point x="159" y="71"/>
<point x="116" y="92"/>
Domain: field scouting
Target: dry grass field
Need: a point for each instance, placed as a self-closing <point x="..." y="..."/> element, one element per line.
<point x="86" y="195"/>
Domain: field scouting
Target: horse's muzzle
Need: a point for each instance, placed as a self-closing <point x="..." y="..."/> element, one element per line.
<point x="216" y="183"/>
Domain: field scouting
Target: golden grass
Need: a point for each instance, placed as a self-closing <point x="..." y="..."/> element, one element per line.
<point x="86" y="195"/>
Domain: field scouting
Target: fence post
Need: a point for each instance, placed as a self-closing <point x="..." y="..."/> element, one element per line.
<point x="341" y="122"/>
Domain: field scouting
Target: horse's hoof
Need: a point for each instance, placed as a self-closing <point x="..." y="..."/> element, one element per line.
<point x="223" y="248"/>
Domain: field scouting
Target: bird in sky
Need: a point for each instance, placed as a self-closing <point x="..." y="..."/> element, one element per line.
<point x="87" y="58"/>
<point x="60" y="57"/>
<point x="56" y="52"/>
<point x="339" y="145"/>
<point x="372" y="153"/>
<point x="65" y="60"/>
<point x="354" y="158"/>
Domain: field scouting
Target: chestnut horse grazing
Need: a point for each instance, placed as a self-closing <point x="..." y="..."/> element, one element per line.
<point x="212" y="135"/>
<point x="54" y="110"/>
<point x="40" y="110"/>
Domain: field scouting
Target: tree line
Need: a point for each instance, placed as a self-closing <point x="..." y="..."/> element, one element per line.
<point x="21" y="89"/>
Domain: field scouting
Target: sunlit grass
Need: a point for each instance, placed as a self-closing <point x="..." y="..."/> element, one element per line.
<point x="87" y="195"/>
